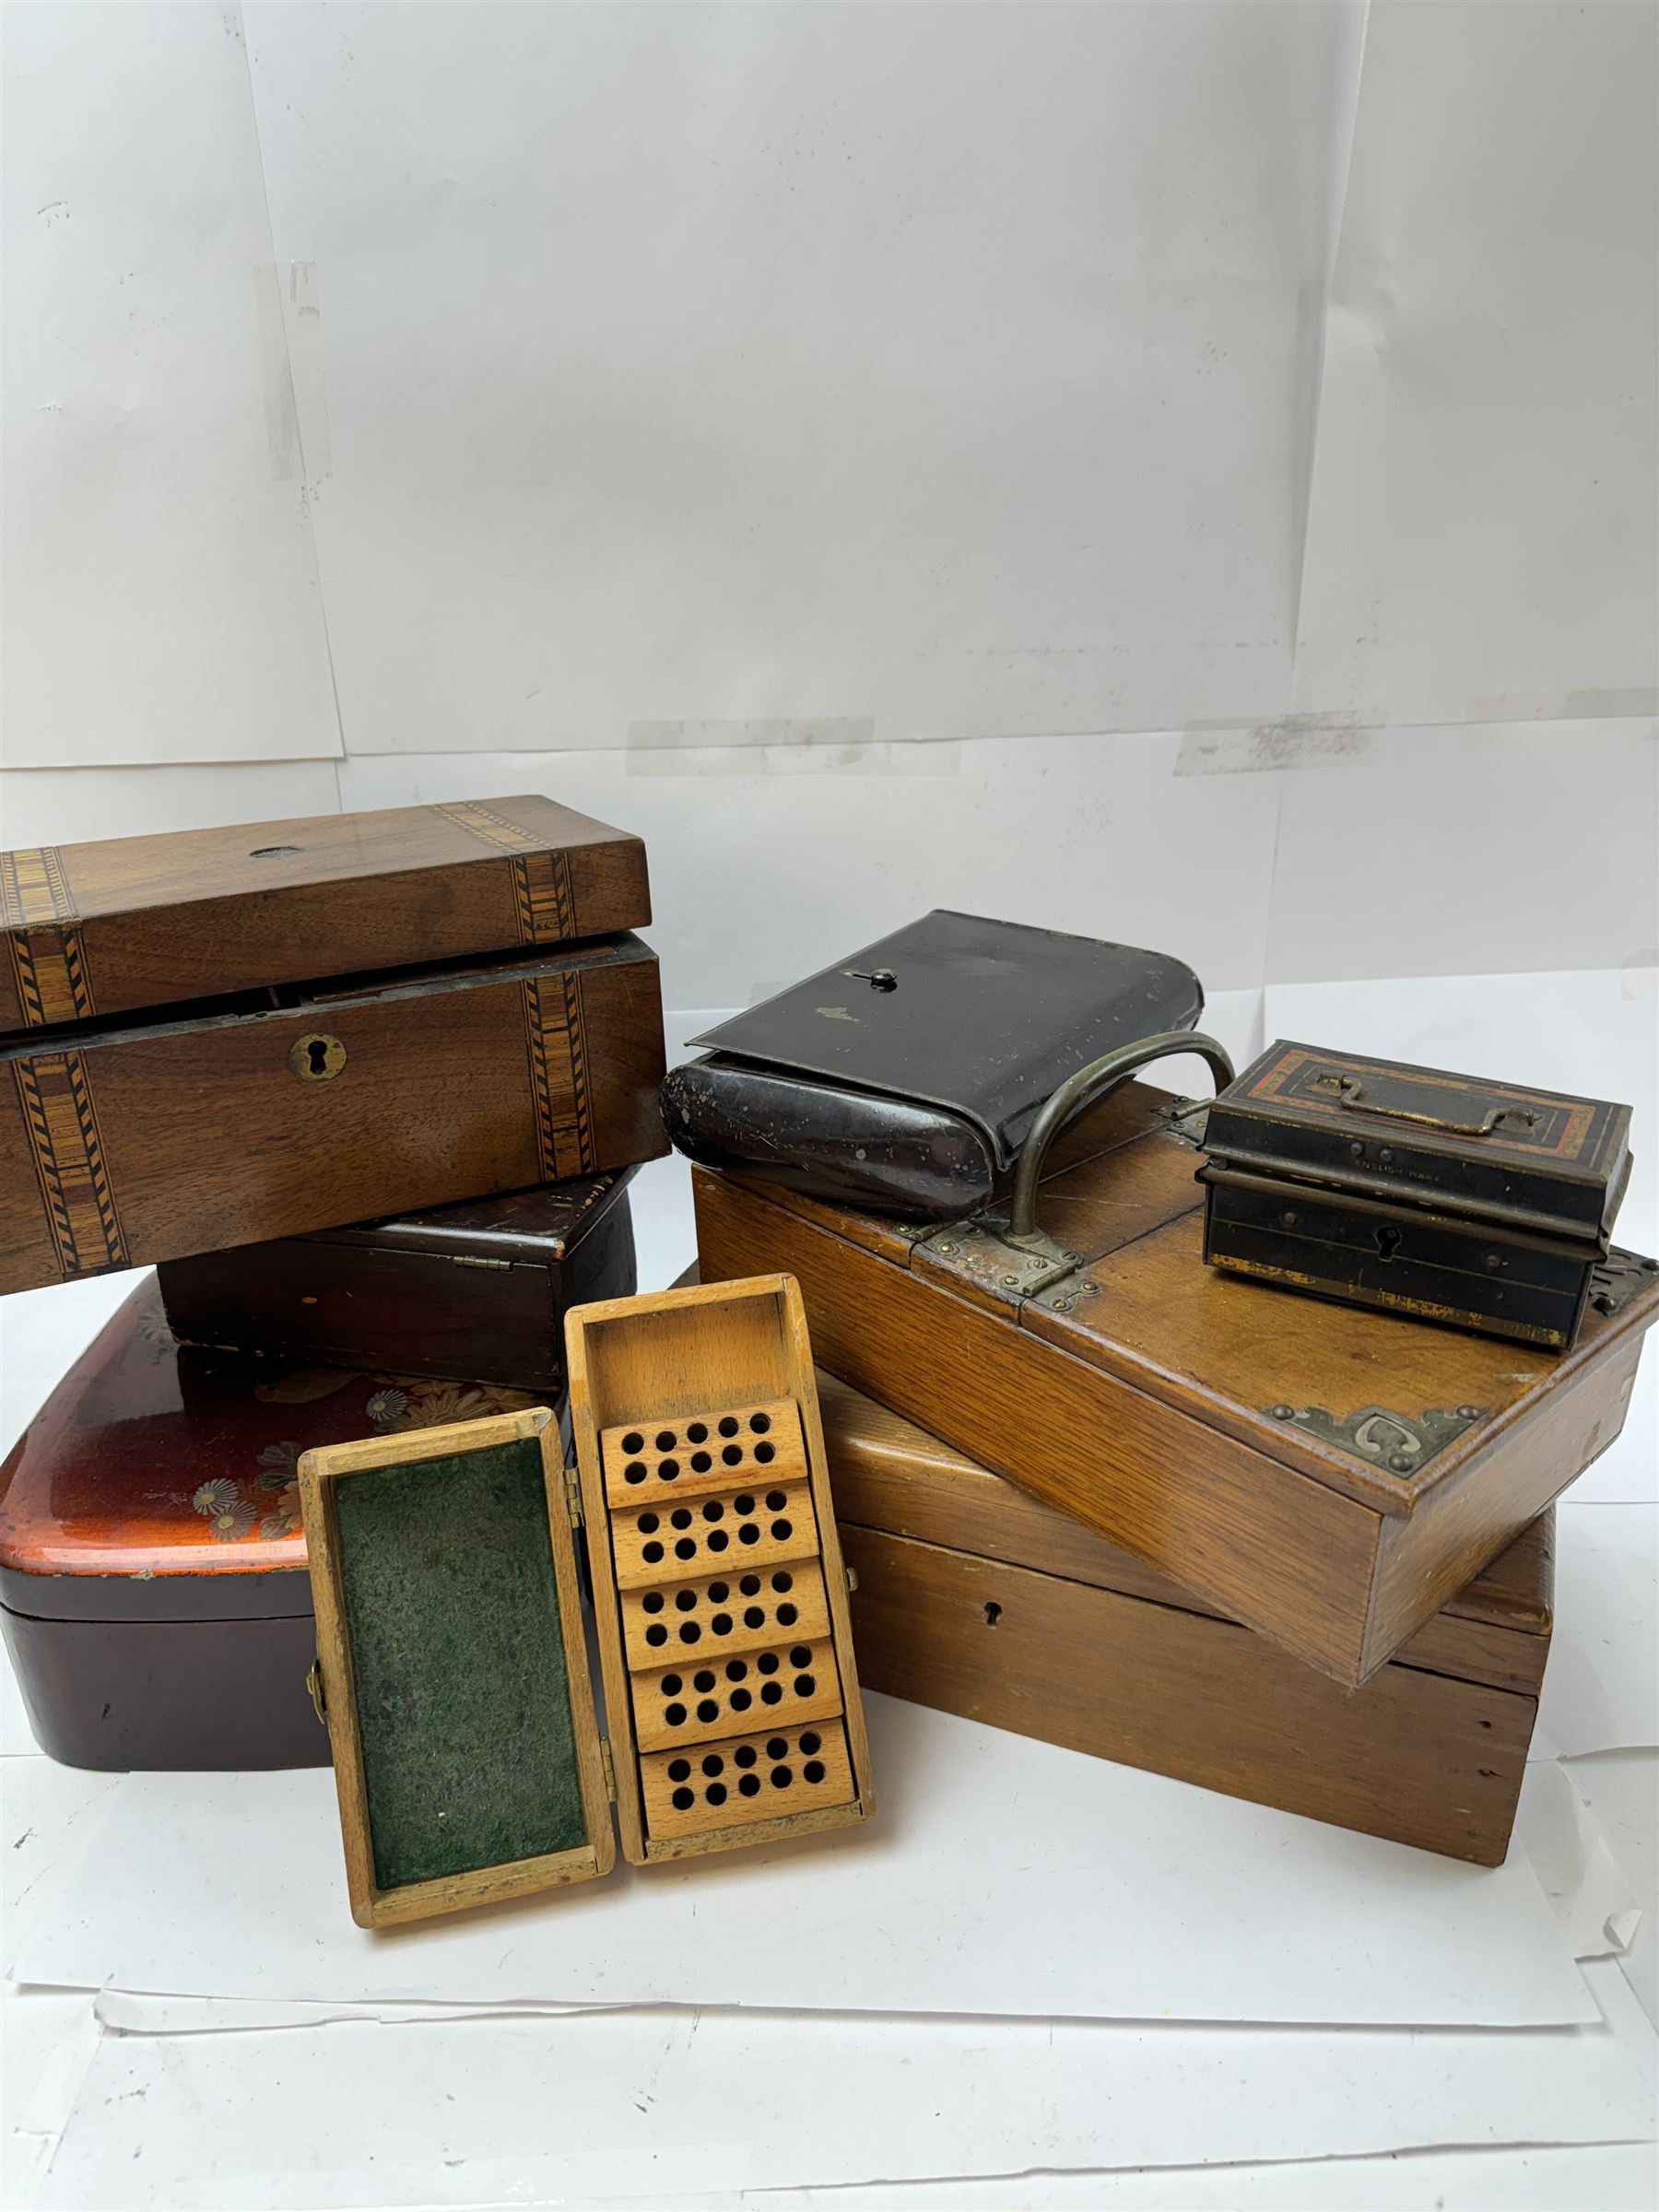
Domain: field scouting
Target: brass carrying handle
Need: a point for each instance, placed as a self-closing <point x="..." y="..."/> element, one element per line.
<point x="1350" y="1093"/>
<point x="1087" y="1087"/>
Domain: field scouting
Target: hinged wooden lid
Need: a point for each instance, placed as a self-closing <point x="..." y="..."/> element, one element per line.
<point x="138" y="922"/>
<point x="537" y="1228"/>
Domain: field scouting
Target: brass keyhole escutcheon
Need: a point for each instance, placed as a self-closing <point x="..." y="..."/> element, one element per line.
<point x="316" y="1058"/>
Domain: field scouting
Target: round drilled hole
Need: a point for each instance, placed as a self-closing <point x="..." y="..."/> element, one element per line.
<point x="671" y="1686"/>
<point x="648" y="1525"/>
<point x="653" y="1601"/>
<point x="666" y="1439"/>
<point x="683" y="1800"/>
<point x="810" y="1741"/>
<point x="700" y="1463"/>
<point x="674" y="1716"/>
<point x="721" y="1625"/>
<point x="718" y="1540"/>
<point x="728" y="1427"/>
<point x="800" y="1656"/>
<point x="719" y="1592"/>
<point x="741" y="1701"/>
<point x="812" y="1771"/>
<point x="768" y="1663"/>
<point x="745" y="1755"/>
<point x="685" y="1548"/>
<point x="703" y="1678"/>
<point x="751" y="1585"/>
<point x="805" y="1686"/>
<point x="685" y="1601"/>
<point x="787" y="1616"/>
<point x="656" y="1633"/>
<point x="776" y="1745"/>
<point x="743" y="1505"/>
<point x="713" y="1510"/>
<point x="735" y="1669"/>
<point x="781" y="1582"/>
<point x="760" y="1422"/>
<point x="633" y="1441"/>
<point x="634" y="1471"/>
<point x="753" y="1618"/>
<point x="716" y="1792"/>
<point x="773" y="1694"/>
<point x="680" y="1517"/>
<point x="713" y="1764"/>
<point x="697" y="1434"/>
<point x="751" y="1785"/>
<point x="690" y="1632"/>
<point x="679" y="1770"/>
<point x="749" y="1533"/>
<point x="708" y="1711"/>
<point x="775" y="1501"/>
<point x="782" y="1530"/>
<point x="668" y="1469"/>
<point x="780" y="1777"/>
<point x="732" y="1455"/>
<point x="765" y="1454"/>
<point x="651" y="1554"/>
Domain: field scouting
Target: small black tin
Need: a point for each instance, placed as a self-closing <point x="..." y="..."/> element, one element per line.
<point x="1482" y="1204"/>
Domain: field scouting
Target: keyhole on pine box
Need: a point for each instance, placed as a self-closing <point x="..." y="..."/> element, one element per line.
<point x="992" y="1612"/>
<point x="1387" y="1241"/>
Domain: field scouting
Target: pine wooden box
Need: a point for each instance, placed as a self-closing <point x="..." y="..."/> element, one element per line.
<point x="451" y="1663"/>
<point x="1328" y="1477"/>
<point x="226" y="1036"/>
<point x="970" y="1596"/>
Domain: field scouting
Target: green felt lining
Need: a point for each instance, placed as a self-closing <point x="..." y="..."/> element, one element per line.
<point x="464" y="1706"/>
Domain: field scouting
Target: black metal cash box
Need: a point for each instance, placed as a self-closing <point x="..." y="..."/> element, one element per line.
<point x="1487" y="1205"/>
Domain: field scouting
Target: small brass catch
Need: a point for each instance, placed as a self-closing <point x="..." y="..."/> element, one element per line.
<point x="610" y="1771"/>
<point x="316" y="1058"/>
<point x="573" y="1488"/>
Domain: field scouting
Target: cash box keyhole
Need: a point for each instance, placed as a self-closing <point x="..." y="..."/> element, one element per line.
<point x="316" y="1058"/>
<point x="1387" y="1242"/>
<point x="992" y="1612"/>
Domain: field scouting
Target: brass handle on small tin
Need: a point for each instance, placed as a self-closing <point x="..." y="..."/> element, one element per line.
<point x="1087" y="1087"/>
<point x="1350" y="1094"/>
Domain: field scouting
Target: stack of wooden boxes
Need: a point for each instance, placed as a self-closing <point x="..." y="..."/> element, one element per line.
<point x="1282" y="1548"/>
<point x="219" y="1047"/>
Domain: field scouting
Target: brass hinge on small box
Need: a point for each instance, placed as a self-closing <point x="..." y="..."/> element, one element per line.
<point x="461" y="1259"/>
<point x="572" y="1490"/>
<point x="610" y="1771"/>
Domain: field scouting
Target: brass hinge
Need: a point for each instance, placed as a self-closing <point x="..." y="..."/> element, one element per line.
<point x="313" y="1682"/>
<point x="573" y="1487"/>
<point x="610" y="1771"/>
<point x="852" y="1579"/>
<point x="459" y="1259"/>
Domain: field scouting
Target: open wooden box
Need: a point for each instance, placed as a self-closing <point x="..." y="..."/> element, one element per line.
<point x="452" y="1667"/>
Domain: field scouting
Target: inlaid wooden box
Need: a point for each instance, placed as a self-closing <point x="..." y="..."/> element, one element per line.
<point x="970" y="1596"/>
<point x="153" y="1591"/>
<point x="226" y="1036"/>
<point x="451" y="1663"/>
<point x="1330" y="1477"/>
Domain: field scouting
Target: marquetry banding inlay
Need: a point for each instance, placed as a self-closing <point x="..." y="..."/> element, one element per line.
<point x="61" y="1123"/>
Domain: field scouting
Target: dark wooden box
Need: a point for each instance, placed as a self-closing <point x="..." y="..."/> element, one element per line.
<point x="1481" y="1205"/>
<point x="477" y="1290"/>
<point x="972" y="1597"/>
<point x="226" y="1036"/>
<point x="1330" y="1477"/>
<point x="153" y="1586"/>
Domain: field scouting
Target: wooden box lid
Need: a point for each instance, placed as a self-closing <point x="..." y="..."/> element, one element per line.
<point x="890" y="1476"/>
<point x="158" y="1483"/>
<point x="138" y="922"/>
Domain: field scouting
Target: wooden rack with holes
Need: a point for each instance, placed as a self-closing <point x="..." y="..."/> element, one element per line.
<point x="718" y="1584"/>
<point x="452" y="1667"/>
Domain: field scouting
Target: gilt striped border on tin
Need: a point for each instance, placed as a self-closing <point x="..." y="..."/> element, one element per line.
<point x="62" y="1127"/>
<point x="542" y="890"/>
<point x="48" y="960"/>
<point x="558" y="1077"/>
